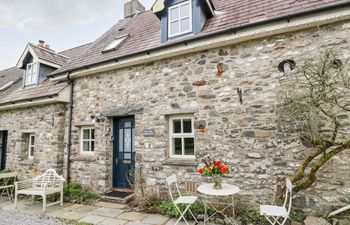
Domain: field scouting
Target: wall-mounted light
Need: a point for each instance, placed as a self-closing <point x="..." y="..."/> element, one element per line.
<point x="336" y="63"/>
<point x="97" y="119"/>
<point x="287" y="66"/>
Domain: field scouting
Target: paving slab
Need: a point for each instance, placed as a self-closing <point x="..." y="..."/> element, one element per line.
<point x="133" y="216"/>
<point x="85" y="209"/>
<point x="92" y="219"/>
<point x="107" y="212"/>
<point x="110" y="205"/>
<point x="112" y="221"/>
<point x="136" y="223"/>
<point x="5" y="203"/>
<point x="58" y="213"/>
<point x="76" y="215"/>
<point x="156" y="219"/>
<point x="73" y="207"/>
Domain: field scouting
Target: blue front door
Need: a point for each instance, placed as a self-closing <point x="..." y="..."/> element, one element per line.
<point x="123" y="152"/>
<point x="3" y="149"/>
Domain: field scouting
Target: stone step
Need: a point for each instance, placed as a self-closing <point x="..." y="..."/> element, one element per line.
<point x="118" y="200"/>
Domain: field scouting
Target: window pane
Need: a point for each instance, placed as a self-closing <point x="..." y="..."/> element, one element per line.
<point x="185" y="10"/>
<point x="189" y="146"/>
<point x="121" y="140"/>
<point x="176" y="126"/>
<point x="133" y="140"/>
<point x="31" y="153"/>
<point x="127" y="140"/>
<point x="92" y="146"/>
<point x="174" y="27"/>
<point x="174" y="14"/>
<point x="127" y="155"/>
<point x="86" y="134"/>
<point x="92" y="133"/>
<point x="187" y="123"/>
<point x="127" y="124"/>
<point x="85" y="146"/>
<point x="32" y="140"/>
<point x="185" y="25"/>
<point x="177" y="146"/>
<point x="34" y="73"/>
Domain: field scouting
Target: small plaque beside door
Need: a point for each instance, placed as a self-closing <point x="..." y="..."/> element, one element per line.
<point x="148" y="133"/>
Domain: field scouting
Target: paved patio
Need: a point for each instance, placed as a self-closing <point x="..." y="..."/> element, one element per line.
<point x="101" y="213"/>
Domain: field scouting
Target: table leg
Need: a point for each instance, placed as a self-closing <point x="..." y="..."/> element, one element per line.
<point x="233" y="206"/>
<point x="205" y="211"/>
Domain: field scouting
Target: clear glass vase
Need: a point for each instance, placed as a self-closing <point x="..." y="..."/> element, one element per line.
<point x="217" y="182"/>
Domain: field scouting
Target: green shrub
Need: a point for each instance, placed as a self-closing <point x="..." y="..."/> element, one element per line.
<point x="75" y="193"/>
<point x="297" y="216"/>
<point x="169" y="209"/>
<point x="252" y="217"/>
<point x="6" y="171"/>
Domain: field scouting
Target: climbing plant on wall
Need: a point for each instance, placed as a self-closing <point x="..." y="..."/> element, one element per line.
<point x="316" y="101"/>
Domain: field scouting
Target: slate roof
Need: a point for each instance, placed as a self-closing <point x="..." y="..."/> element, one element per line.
<point x="10" y="75"/>
<point x="144" y="29"/>
<point x="49" y="55"/>
<point x="16" y="92"/>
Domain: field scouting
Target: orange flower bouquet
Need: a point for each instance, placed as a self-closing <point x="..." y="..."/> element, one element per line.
<point x="214" y="169"/>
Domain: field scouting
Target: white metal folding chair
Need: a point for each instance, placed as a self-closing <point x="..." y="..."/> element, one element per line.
<point x="275" y="214"/>
<point x="181" y="200"/>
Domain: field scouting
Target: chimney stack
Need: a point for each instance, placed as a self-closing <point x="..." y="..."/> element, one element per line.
<point x="133" y="7"/>
<point x="41" y="43"/>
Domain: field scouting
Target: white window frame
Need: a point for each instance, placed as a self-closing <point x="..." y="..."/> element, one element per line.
<point x="33" y="75"/>
<point x="181" y="135"/>
<point x="90" y="140"/>
<point x="190" y="17"/>
<point x="31" y="145"/>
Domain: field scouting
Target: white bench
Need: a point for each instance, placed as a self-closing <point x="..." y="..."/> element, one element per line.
<point x="48" y="183"/>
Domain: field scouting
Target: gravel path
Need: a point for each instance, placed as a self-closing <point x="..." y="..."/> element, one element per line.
<point x="12" y="217"/>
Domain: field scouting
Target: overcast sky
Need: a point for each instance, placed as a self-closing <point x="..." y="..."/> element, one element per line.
<point x="62" y="23"/>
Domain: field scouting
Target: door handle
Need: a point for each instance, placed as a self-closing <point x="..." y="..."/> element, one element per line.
<point x="116" y="162"/>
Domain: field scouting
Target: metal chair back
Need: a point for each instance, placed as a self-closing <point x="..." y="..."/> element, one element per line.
<point x="172" y="181"/>
<point x="288" y="198"/>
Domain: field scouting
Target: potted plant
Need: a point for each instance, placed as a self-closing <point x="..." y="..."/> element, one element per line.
<point x="214" y="169"/>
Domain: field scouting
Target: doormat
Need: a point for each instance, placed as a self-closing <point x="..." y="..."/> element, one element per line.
<point x="118" y="194"/>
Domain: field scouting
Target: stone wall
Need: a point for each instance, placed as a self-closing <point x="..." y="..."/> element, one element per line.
<point x="48" y="123"/>
<point x="246" y="135"/>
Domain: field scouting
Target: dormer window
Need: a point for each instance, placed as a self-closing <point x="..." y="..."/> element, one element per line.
<point x="180" y="19"/>
<point x="31" y="74"/>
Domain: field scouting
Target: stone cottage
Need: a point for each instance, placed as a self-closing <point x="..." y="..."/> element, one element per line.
<point x="163" y="88"/>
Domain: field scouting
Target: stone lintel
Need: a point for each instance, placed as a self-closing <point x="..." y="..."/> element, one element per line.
<point x="28" y="131"/>
<point x="85" y="123"/>
<point x="123" y="111"/>
<point x="180" y="111"/>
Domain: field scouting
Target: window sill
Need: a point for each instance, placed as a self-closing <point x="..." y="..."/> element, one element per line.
<point x="27" y="162"/>
<point x="181" y="162"/>
<point x="84" y="158"/>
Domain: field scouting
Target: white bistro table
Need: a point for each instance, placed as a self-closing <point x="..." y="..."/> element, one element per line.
<point x="228" y="190"/>
<point x="5" y="186"/>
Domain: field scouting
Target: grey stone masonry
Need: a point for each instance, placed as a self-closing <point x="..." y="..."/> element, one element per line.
<point x="246" y="135"/>
<point x="47" y="123"/>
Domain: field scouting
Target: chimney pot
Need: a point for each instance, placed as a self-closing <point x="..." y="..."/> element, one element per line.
<point x="47" y="46"/>
<point x="41" y="43"/>
<point x="132" y="8"/>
